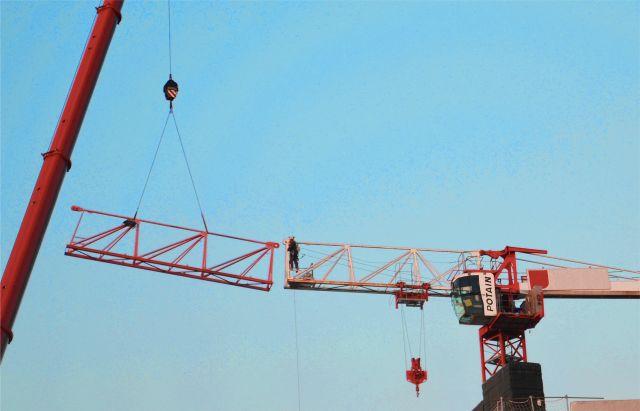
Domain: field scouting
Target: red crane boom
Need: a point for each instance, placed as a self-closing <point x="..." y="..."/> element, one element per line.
<point x="57" y="161"/>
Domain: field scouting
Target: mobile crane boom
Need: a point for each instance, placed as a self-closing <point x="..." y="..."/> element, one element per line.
<point x="57" y="161"/>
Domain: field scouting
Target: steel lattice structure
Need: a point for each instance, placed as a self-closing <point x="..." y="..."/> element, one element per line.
<point x="339" y="267"/>
<point x="413" y="274"/>
<point x="349" y="268"/>
<point x="189" y="255"/>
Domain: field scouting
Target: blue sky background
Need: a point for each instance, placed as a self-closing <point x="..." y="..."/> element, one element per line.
<point x="443" y="124"/>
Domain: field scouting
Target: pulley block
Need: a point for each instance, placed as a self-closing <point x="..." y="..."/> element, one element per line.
<point x="170" y="89"/>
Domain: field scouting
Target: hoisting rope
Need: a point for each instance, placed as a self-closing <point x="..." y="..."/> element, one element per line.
<point x="155" y="155"/>
<point x="170" y="90"/>
<point x="193" y="183"/>
<point x="295" y="324"/>
<point x="171" y="87"/>
<point x="169" y="13"/>
<point x="186" y="160"/>
<point x="415" y="374"/>
<point x="423" y="337"/>
<point x="406" y="338"/>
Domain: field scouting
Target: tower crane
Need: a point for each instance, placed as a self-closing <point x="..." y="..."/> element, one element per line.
<point x="503" y="291"/>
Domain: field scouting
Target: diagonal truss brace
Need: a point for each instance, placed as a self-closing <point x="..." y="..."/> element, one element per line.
<point x="388" y="270"/>
<point x="237" y="271"/>
<point x="338" y="267"/>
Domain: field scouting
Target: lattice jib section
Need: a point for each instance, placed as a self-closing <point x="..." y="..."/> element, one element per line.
<point x="171" y="249"/>
<point x="374" y="269"/>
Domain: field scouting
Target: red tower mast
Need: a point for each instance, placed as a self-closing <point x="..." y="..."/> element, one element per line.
<point x="57" y="161"/>
<point x="503" y="339"/>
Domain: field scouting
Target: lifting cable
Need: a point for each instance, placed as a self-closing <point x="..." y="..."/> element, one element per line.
<point x="423" y="336"/>
<point x="170" y="90"/>
<point x="406" y="341"/>
<point x="144" y="188"/>
<point x="193" y="183"/>
<point x="169" y="14"/>
<point x="295" y="324"/>
<point x="406" y="338"/>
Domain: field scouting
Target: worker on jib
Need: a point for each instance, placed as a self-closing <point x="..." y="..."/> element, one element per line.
<point x="292" y="249"/>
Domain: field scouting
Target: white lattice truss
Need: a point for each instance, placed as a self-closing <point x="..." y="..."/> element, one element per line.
<point x="384" y="270"/>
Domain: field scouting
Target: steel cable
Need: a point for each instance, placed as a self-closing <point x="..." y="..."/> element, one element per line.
<point x="169" y="14"/>
<point x="155" y="155"/>
<point x="193" y="184"/>
<point x="295" y="324"/>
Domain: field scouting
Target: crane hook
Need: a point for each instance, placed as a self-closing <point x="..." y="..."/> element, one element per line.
<point x="170" y="91"/>
<point x="416" y="375"/>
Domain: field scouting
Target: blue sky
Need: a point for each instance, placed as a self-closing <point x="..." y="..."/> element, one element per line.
<point x="427" y="124"/>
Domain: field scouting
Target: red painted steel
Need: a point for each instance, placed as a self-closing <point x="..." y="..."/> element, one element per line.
<point x="57" y="161"/>
<point x="503" y="340"/>
<point x="110" y="246"/>
<point x="412" y="298"/>
<point x="508" y="255"/>
<point x="416" y="375"/>
<point x="499" y="348"/>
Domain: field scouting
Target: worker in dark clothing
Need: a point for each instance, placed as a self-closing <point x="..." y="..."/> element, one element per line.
<point x="293" y="249"/>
